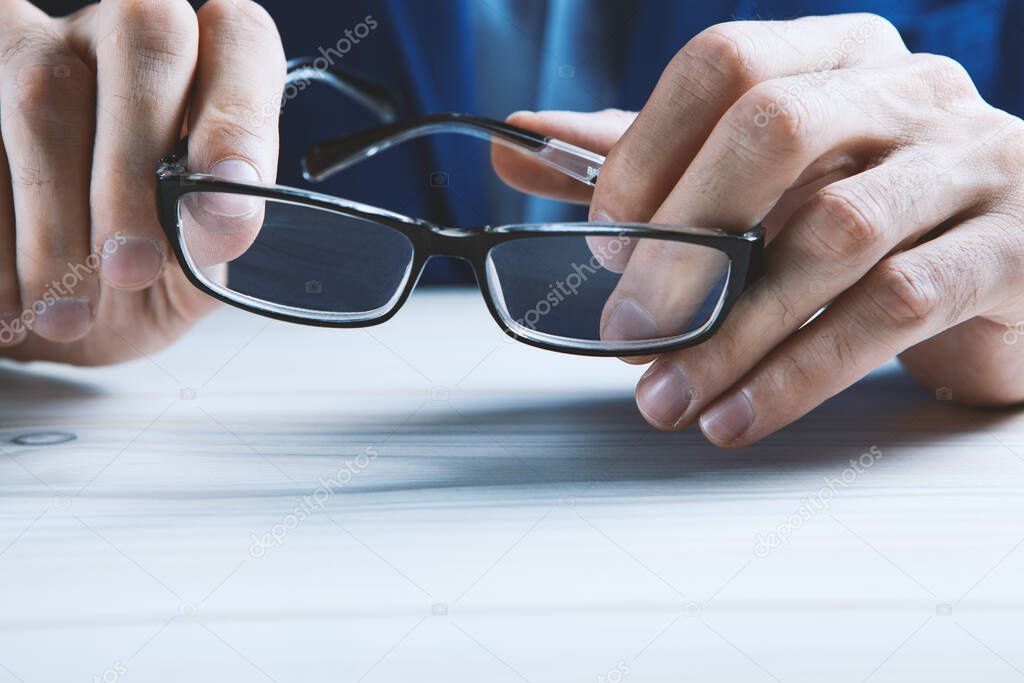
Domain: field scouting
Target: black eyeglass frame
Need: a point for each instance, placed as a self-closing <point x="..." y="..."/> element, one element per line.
<point x="174" y="181"/>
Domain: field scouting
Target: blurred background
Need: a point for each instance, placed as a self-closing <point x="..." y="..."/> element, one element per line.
<point x="493" y="57"/>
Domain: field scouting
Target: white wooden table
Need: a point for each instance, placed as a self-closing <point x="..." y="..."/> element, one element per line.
<point x="497" y="513"/>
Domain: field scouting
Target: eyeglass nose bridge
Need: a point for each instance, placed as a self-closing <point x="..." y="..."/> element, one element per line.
<point x="461" y="243"/>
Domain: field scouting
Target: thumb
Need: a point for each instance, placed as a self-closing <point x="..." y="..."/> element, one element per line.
<point x="595" y="131"/>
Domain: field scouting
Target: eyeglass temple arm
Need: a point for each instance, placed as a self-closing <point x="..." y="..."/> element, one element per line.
<point x="327" y="158"/>
<point x="373" y="96"/>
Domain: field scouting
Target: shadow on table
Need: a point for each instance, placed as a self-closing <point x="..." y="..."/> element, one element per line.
<point x="528" y="446"/>
<point x="28" y="384"/>
<point x="576" y="444"/>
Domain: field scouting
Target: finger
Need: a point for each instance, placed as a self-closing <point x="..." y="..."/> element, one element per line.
<point x="145" y="57"/>
<point x="12" y="327"/>
<point x="82" y="33"/>
<point x="909" y="297"/>
<point x="988" y="371"/>
<point x="47" y="109"/>
<point x="740" y="174"/>
<point x="828" y="245"/>
<point x="596" y="131"/>
<point x="15" y="14"/>
<point x="241" y="75"/>
<point x="818" y="177"/>
<point x="703" y="81"/>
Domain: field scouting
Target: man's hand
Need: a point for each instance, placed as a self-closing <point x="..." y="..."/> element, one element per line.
<point x="88" y="105"/>
<point x="892" y="193"/>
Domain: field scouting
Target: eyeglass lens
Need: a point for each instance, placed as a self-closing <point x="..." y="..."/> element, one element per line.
<point x="579" y="291"/>
<point x="607" y="291"/>
<point x="294" y="258"/>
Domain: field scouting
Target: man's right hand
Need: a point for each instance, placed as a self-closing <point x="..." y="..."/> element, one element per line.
<point x="88" y="105"/>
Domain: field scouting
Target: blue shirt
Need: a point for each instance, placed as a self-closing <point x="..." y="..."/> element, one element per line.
<point x="557" y="55"/>
<point x="428" y="51"/>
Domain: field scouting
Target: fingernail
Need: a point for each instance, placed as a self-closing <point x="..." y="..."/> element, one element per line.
<point x="600" y="216"/>
<point x="729" y="419"/>
<point x="64" y="320"/>
<point x="629" y="321"/>
<point x="12" y="328"/>
<point x="131" y="262"/>
<point x="231" y="205"/>
<point x="664" y="394"/>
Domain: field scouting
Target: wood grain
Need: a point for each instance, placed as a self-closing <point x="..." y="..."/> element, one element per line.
<point x="495" y="513"/>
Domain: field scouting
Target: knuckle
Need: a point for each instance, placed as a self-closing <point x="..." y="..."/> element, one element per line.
<point x="1008" y="150"/>
<point x="841" y="346"/>
<point x="729" y="347"/>
<point x="688" y="80"/>
<point x="787" y="309"/>
<point x="157" y="33"/>
<point x="160" y="36"/>
<point x="227" y="131"/>
<point x="841" y="223"/>
<point x="779" y="116"/>
<point x="46" y="92"/>
<point x="155" y="42"/>
<point x="241" y="15"/>
<point x="945" y="78"/>
<point x="948" y="69"/>
<point x="725" y="49"/>
<point x="726" y="349"/>
<point x="877" y="26"/>
<point x="905" y="292"/>
<point x="230" y="123"/>
<point x="257" y="15"/>
<point x="795" y="371"/>
<point x="245" y="26"/>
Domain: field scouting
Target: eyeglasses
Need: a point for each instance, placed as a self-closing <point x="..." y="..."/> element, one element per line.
<point x="315" y="259"/>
